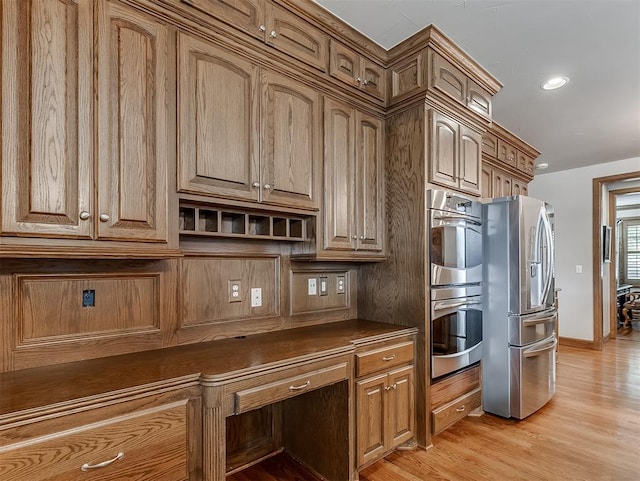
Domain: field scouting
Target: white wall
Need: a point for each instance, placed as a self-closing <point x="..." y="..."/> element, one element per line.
<point x="570" y="193"/>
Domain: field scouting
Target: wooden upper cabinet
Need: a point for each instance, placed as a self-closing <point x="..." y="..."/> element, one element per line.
<point x="245" y="133"/>
<point x="339" y="175"/>
<point x="485" y="182"/>
<point x="133" y="116"/>
<point x="370" y="181"/>
<point x="453" y="82"/>
<point x="470" y="160"/>
<point x="219" y="133"/>
<point x="489" y="144"/>
<point x="53" y="186"/>
<point x="47" y="118"/>
<point x="507" y="153"/>
<point x="291" y="141"/>
<point x="347" y="65"/>
<point x="246" y="15"/>
<point x="292" y="35"/>
<point x="456" y="154"/>
<point x="353" y="181"/>
<point x="444" y="149"/>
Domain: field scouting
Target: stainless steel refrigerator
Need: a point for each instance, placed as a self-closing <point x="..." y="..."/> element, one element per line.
<point x="519" y="318"/>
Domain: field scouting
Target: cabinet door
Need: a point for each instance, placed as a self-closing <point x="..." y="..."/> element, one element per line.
<point x="447" y="78"/>
<point x="478" y="99"/>
<point x="372" y="425"/>
<point x="291" y="142"/>
<point x="218" y="122"/>
<point x="444" y="149"/>
<point x="47" y="117"/>
<point x="373" y="79"/>
<point x="133" y="132"/>
<point x="401" y="406"/>
<point x="497" y="183"/>
<point x="490" y="144"/>
<point x="339" y="175"/>
<point x="245" y="15"/>
<point x="486" y="183"/>
<point x="507" y="185"/>
<point x="344" y="63"/>
<point x="370" y="182"/>
<point x="507" y="153"/>
<point x="292" y="35"/>
<point x="470" y="160"/>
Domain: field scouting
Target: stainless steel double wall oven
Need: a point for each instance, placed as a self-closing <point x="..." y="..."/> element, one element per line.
<point x="455" y="257"/>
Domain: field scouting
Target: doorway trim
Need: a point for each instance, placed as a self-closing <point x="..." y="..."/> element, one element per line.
<point x="598" y="184"/>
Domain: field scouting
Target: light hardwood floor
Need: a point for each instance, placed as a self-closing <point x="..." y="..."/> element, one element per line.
<point x="590" y="431"/>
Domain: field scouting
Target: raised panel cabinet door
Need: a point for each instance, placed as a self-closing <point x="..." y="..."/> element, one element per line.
<point x="470" y="160"/>
<point x="291" y="142"/>
<point x="294" y="36"/>
<point x="478" y="99"/>
<point x="372" y="425"/>
<point x="47" y="118"/>
<point x="490" y="144"/>
<point x="133" y="119"/>
<point x="507" y="185"/>
<point x="486" y="183"/>
<point x="344" y="63"/>
<point x="245" y="15"/>
<point x="507" y="153"/>
<point x="447" y="78"/>
<point x="218" y="122"/>
<point x="339" y="175"/>
<point x="444" y="149"/>
<point x="401" y="406"/>
<point x="373" y="79"/>
<point x="497" y="184"/>
<point x="369" y="182"/>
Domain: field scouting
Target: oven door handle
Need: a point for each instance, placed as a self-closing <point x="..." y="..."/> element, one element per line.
<point x="540" y="320"/>
<point x="464" y="218"/>
<point x="539" y="352"/>
<point x="439" y="306"/>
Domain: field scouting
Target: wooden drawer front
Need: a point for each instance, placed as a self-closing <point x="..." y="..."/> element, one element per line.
<point x="245" y="15"/>
<point x="259" y="396"/>
<point x="151" y="444"/>
<point x="385" y="358"/>
<point x="448" y="414"/>
<point x="490" y="144"/>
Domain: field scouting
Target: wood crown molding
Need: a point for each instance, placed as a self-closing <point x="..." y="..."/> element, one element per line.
<point x="501" y="132"/>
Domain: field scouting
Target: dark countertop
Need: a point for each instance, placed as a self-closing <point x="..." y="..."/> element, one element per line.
<point x="209" y="362"/>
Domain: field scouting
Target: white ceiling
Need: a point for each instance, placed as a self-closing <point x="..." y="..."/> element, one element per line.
<point x="596" y="43"/>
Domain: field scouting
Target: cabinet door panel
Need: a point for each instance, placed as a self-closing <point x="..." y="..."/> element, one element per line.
<point x="294" y="36"/>
<point x="444" y="149"/>
<point x="372" y="424"/>
<point x="497" y="184"/>
<point x="486" y="183"/>
<point x="218" y="130"/>
<point x="245" y="15"/>
<point x="339" y="175"/>
<point x="370" y="182"/>
<point x="401" y="406"/>
<point x="470" y="160"/>
<point x="47" y="126"/>
<point x="132" y="125"/>
<point x="507" y="153"/>
<point x="478" y="99"/>
<point x="373" y="79"/>
<point x="344" y="63"/>
<point x="447" y="78"/>
<point x="291" y="136"/>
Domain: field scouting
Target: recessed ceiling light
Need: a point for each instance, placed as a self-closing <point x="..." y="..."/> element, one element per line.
<point x="542" y="166"/>
<point x="555" y="83"/>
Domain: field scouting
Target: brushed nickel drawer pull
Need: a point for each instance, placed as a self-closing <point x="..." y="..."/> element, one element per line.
<point x="302" y="386"/>
<point x="460" y="409"/>
<point x="103" y="464"/>
<point x="389" y="358"/>
<point x="387" y="388"/>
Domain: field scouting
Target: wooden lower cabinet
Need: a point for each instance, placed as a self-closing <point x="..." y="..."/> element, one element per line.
<point x="155" y="438"/>
<point x="454" y="398"/>
<point x="384" y="403"/>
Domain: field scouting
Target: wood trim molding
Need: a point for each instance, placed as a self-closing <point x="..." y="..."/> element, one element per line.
<point x="579" y="343"/>
<point x="597" y="221"/>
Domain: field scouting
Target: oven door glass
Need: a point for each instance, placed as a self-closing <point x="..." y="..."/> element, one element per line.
<point x="456" y="334"/>
<point x="455" y="248"/>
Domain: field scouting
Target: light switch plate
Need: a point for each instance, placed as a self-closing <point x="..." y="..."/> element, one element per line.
<point x="324" y="286"/>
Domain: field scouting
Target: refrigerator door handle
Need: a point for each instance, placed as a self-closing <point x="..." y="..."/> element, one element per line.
<point x="539" y="352"/>
<point x="549" y="256"/>
<point x="540" y="320"/>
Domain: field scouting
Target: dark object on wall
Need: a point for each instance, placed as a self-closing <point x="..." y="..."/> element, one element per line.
<point x="606" y="243"/>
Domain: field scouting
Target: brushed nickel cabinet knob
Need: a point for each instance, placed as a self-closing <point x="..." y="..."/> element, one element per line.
<point x="104" y="217"/>
<point x="272" y="34"/>
<point x="84" y="215"/>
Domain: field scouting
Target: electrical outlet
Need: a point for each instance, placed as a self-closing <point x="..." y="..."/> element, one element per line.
<point x="324" y="287"/>
<point x="89" y="298"/>
<point x="256" y="297"/>
<point x="312" y="287"/>
<point x="235" y="291"/>
<point x="341" y="285"/>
